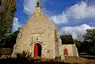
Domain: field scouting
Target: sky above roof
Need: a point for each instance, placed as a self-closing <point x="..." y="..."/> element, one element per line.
<point x="71" y="16"/>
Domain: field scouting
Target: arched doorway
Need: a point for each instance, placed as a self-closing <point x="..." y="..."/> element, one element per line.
<point x="65" y="52"/>
<point x="37" y="50"/>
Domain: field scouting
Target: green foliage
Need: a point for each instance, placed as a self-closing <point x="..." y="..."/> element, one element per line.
<point x="78" y="44"/>
<point x="88" y="45"/>
<point x="9" y="41"/>
<point x="90" y="35"/>
<point x="7" y="10"/>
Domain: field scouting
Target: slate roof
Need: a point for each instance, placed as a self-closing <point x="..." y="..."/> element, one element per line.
<point x="67" y="39"/>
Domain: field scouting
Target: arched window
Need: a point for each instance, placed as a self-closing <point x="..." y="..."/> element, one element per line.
<point x="65" y="51"/>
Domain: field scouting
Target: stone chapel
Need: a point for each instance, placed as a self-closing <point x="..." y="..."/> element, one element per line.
<point x="40" y="37"/>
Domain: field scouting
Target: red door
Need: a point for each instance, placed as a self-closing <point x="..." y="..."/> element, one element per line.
<point x="65" y="52"/>
<point x="35" y="50"/>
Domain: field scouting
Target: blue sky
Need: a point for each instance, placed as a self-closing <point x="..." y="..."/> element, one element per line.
<point x="71" y="16"/>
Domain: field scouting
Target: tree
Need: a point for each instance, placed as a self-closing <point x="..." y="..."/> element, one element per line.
<point x="9" y="41"/>
<point x="78" y="44"/>
<point x="7" y="10"/>
<point x="90" y="35"/>
<point x="89" y="41"/>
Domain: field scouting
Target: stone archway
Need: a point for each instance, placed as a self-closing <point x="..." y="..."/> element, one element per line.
<point x="37" y="50"/>
<point x="65" y="51"/>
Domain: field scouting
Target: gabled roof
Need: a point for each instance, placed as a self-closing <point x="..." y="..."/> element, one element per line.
<point x="67" y="39"/>
<point x="38" y="22"/>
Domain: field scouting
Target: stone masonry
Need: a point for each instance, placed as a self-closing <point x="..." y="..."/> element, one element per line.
<point x="40" y="37"/>
<point x="39" y="30"/>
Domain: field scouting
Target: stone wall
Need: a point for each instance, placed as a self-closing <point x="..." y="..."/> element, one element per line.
<point x="40" y="30"/>
<point x="71" y="48"/>
<point x="46" y="40"/>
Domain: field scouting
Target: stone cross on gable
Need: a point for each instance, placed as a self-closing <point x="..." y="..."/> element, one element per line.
<point x="38" y="3"/>
<point x="38" y="7"/>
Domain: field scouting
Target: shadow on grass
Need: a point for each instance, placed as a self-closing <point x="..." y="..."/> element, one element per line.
<point x="25" y="58"/>
<point x="32" y="61"/>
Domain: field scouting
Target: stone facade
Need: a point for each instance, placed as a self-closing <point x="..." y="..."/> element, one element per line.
<point x="39" y="33"/>
<point x="71" y="50"/>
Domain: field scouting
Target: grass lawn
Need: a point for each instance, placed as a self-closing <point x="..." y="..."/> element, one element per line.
<point x="24" y="61"/>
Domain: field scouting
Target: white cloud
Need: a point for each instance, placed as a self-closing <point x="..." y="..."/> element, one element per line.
<point x="60" y="19"/>
<point x="29" y="6"/>
<point x="77" y="32"/>
<point x="76" y="12"/>
<point x="81" y="11"/>
<point x="16" y="24"/>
